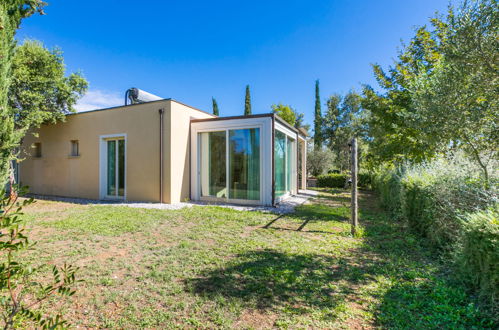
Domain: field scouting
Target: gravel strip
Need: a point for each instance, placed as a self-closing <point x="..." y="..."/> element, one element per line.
<point x="286" y="206"/>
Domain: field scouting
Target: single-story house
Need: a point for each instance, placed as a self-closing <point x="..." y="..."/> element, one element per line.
<point x="165" y="151"/>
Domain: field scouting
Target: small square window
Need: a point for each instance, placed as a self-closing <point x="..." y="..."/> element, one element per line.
<point x="75" y="148"/>
<point x="38" y="150"/>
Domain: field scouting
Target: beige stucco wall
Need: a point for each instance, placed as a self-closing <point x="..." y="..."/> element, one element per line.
<point x="179" y="156"/>
<point x="56" y="173"/>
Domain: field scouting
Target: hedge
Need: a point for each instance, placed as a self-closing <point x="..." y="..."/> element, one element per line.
<point x="340" y="180"/>
<point x="478" y="253"/>
<point x="446" y="203"/>
<point x="333" y="180"/>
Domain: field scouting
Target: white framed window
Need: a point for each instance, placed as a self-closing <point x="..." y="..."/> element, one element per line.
<point x="112" y="166"/>
<point x="231" y="160"/>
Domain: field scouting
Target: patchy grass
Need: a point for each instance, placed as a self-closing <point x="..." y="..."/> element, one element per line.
<point x="212" y="267"/>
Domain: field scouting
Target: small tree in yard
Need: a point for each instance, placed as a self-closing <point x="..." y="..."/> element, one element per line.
<point x="21" y="294"/>
<point x="319" y="161"/>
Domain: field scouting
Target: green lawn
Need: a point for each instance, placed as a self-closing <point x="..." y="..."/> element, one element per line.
<point x="212" y="267"/>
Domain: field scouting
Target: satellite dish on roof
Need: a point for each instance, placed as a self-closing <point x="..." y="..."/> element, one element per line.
<point x="135" y="96"/>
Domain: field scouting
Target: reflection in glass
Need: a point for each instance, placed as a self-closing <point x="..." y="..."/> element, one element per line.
<point x="280" y="163"/>
<point x="213" y="164"/>
<point x="289" y="163"/>
<point x="121" y="167"/>
<point x="111" y="168"/>
<point x="244" y="164"/>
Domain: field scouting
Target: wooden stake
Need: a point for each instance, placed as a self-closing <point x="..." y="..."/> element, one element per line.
<point x="355" y="206"/>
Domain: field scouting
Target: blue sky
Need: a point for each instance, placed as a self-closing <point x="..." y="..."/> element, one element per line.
<point x="193" y="50"/>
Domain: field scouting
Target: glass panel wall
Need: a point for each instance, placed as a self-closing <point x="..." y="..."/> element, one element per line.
<point x="111" y="168"/>
<point x="232" y="173"/>
<point x="280" y="163"/>
<point x="289" y="163"/>
<point x="213" y="164"/>
<point x="116" y="167"/>
<point x="121" y="167"/>
<point x="284" y="163"/>
<point x="244" y="164"/>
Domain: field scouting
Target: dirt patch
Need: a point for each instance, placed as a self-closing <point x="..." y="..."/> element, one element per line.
<point x="255" y="319"/>
<point x="41" y="206"/>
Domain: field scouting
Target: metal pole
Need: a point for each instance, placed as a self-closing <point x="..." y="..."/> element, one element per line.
<point x="161" y="133"/>
<point x="355" y="212"/>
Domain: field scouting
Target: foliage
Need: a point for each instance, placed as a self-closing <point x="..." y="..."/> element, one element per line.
<point x="459" y="97"/>
<point x="215" y="107"/>
<point x="11" y="14"/>
<point x="365" y="179"/>
<point x="247" y="102"/>
<point x="319" y="161"/>
<point x="434" y="198"/>
<point x="441" y="94"/>
<point x="21" y="294"/>
<point x="333" y="180"/>
<point x="317" y="119"/>
<point x="285" y="112"/>
<point x="344" y="120"/>
<point x="40" y="91"/>
<point x="478" y="252"/>
<point x="341" y="180"/>
<point x="300" y="118"/>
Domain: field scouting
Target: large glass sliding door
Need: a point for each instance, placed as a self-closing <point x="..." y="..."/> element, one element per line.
<point x="115" y="186"/>
<point x="284" y="163"/>
<point x="213" y="164"/>
<point x="244" y="164"/>
<point x="280" y="163"/>
<point x="230" y="164"/>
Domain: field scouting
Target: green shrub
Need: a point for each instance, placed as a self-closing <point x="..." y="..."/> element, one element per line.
<point x="333" y="180"/>
<point x="365" y="179"/>
<point x="387" y="183"/>
<point x="433" y="199"/>
<point x="478" y="252"/>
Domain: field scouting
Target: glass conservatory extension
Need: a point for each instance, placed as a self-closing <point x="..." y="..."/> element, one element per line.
<point x="245" y="160"/>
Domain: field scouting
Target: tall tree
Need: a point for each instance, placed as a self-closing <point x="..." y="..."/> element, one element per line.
<point x="441" y="94"/>
<point x="285" y="112"/>
<point x="40" y="91"/>
<point x="317" y="119"/>
<point x="332" y="120"/>
<point x="12" y="12"/>
<point x="343" y="120"/>
<point x="247" y="102"/>
<point x="215" y="106"/>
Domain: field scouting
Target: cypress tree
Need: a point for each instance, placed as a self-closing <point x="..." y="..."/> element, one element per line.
<point x="247" y="102"/>
<point x="317" y="119"/>
<point x="215" y="107"/>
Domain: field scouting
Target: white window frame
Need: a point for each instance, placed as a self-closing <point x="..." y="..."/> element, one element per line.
<point x="264" y="124"/>
<point x="294" y="170"/>
<point x="103" y="165"/>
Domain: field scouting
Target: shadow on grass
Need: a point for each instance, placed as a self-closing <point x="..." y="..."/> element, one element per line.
<point x="402" y="283"/>
<point x="269" y="279"/>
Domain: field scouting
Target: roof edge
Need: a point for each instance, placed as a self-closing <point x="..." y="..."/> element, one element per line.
<point x="116" y="107"/>
<point x="189" y="106"/>
<point x="233" y="117"/>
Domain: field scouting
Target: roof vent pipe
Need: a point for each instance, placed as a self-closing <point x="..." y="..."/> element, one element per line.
<point x="135" y="96"/>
